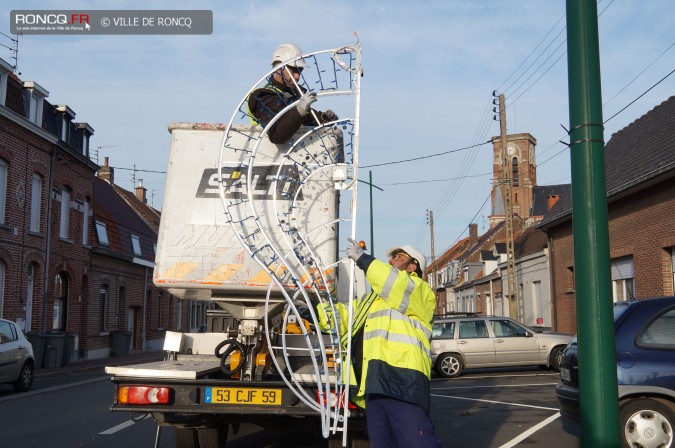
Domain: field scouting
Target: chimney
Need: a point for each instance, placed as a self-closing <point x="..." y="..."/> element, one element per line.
<point x="107" y="173"/>
<point x="140" y="192"/>
<point x="473" y="233"/>
<point x="552" y="199"/>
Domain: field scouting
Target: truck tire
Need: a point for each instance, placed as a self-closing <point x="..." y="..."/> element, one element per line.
<point x="201" y="437"/>
<point x="360" y="440"/>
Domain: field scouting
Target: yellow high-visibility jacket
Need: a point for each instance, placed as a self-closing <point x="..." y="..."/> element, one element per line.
<point x="395" y="320"/>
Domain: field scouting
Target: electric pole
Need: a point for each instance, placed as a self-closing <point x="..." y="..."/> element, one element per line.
<point x="508" y="212"/>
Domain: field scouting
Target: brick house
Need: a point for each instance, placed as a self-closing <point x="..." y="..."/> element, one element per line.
<point x="467" y="275"/>
<point x="46" y="194"/>
<point x="640" y="175"/>
<point x="57" y="277"/>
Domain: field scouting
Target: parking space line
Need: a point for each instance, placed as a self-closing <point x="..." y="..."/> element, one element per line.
<point x="123" y="425"/>
<point x="493" y="376"/>
<point x="529" y="432"/>
<point x="118" y="428"/>
<point x="496" y="402"/>
<point x="500" y="386"/>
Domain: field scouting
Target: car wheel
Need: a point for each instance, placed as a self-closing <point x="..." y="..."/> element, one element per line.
<point x="25" y="380"/>
<point x="646" y="423"/>
<point x="556" y="358"/>
<point x="449" y="365"/>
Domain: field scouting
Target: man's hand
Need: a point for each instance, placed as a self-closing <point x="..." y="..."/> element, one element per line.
<point x="354" y="251"/>
<point x="328" y="115"/>
<point x="305" y="102"/>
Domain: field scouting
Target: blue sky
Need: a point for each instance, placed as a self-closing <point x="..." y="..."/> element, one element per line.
<point x="429" y="71"/>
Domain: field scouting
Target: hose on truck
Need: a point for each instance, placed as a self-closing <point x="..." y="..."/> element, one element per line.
<point x="234" y="345"/>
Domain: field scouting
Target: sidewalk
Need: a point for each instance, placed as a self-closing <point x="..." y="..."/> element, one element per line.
<point x="90" y="364"/>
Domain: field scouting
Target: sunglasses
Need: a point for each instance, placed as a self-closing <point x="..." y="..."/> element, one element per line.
<point x="294" y="69"/>
<point x="396" y="254"/>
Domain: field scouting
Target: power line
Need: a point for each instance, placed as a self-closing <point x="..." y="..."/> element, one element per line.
<point x="426" y="157"/>
<point x="639" y="74"/>
<point x="139" y="170"/>
<point x="438" y="180"/>
<point x="643" y="94"/>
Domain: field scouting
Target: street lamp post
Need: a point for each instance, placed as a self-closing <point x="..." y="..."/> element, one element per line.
<point x="371" y="185"/>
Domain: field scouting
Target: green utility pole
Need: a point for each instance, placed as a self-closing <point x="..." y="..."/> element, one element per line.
<point x="598" y="394"/>
<point x="371" y="185"/>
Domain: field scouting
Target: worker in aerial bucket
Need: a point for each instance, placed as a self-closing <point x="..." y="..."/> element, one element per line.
<point x="282" y="89"/>
<point x="390" y="356"/>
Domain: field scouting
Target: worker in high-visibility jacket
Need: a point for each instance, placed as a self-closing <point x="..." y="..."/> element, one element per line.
<point x="282" y="89"/>
<point x="390" y="355"/>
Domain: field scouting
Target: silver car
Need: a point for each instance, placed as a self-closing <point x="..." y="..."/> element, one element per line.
<point x="16" y="357"/>
<point x="472" y="341"/>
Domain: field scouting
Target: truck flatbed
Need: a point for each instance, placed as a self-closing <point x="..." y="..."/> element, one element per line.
<point x="184" y="367"/>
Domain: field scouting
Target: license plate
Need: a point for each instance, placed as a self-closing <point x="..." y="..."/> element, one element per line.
<point x="242" y="395"/>
<point x="565" y="374"/>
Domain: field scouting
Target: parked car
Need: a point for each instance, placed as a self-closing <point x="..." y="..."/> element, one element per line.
<point x="472" y="341"/>
<point x="645" y="352"/>
<point x="16" y="357"/>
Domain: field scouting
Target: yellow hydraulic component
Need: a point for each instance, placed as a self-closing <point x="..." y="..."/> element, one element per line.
<point x="294" y="328"/>
<point x="235" y="359"/>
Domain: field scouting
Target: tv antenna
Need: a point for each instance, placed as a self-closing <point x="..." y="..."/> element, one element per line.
<point x="14" y="49"/>
<point x="98" y="149"/>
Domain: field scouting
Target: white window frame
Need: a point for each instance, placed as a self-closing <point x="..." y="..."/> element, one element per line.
<point x="2" y="286"/>
<point x="85" y="223"/>
<point x="102" y="233"/>
<point x="136" y="245"/>
<point x="33" y="109"/>
<point x="4" y="172"/>
<point x="36" y="203"/>
<point x="623" y="274"/>
<point x="64" y="227"/>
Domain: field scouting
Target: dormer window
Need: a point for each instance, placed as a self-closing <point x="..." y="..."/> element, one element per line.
<point x="35" y="97"/>
<point x="84" y="133"/>
<point x="66" y="116"/>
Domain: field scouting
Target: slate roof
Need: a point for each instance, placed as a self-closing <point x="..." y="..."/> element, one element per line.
<point x="531" y="241"/>
<point x="642" y="151"/>
<point x="482" y="240"/>
<point x="148" y="213"/>
<point x="121" y="221"/>
<point x="540" y="196"/>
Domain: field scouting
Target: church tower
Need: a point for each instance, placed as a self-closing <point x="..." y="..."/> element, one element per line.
<point x="523" y="174"/>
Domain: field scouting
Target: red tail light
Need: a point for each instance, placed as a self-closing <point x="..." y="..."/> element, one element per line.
<point x="334" y="400"/>
<point x="143" y="395"/>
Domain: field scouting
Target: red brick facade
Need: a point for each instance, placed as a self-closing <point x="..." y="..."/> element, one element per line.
<point x="52" y="272"/>
<point x="641" y="226"/>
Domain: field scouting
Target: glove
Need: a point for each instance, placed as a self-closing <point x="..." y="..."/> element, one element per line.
<point x="305" y="102"/>
<point x="328" y="115"/>
<point x="354" y="251"/>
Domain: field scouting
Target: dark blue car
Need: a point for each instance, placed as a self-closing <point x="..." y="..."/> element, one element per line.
<point x="645" y="352"/>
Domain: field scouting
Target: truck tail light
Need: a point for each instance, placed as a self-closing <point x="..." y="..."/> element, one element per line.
<point x="143" y="395"/>
<point x="334" y="400"/>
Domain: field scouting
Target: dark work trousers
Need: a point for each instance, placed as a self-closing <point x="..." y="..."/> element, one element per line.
<point x="397" y="424"/>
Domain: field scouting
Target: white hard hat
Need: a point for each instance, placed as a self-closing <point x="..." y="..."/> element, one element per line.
<point x="414" y="252"/>
<point x="287" y="52"/>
